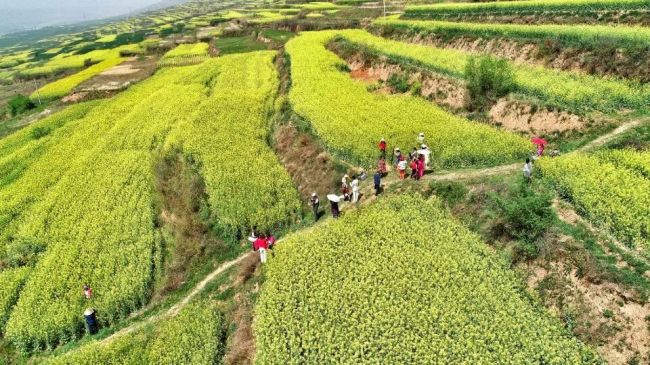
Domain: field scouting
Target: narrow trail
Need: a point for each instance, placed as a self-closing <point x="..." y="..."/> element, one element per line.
<point x="173" y="311"/>
<point x="368" y="197"/>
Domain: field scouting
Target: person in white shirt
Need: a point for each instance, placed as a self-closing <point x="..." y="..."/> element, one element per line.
<point x="528" y="170"/>
<point x="355" y="189"/>
<point x="421" y="138"/>
<point x="401" y="167"/>
<point x="424" y="151"/>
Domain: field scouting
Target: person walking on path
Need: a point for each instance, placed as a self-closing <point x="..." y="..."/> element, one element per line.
<point x="414" y="167"/>
<point x="381" y="165"/>
<point x="398" y="156"/>
<point x="528" y="170"/>
<point x="426" y="152"/>
<point x="334" y="205"/>
<point x="345" y="187"/>
<point x="413" y="154"/>
<point x="355" y="189"/>
<point x="314" y="202"/>
<point x="270" y="242"/>
<point x="401" y="168"/>
<point x="377" y="181"/>
<point x="261" y="246"/>
<point x="421" y="166"/>
<point x="88" y="292"/>
<point x="382" y="148"/>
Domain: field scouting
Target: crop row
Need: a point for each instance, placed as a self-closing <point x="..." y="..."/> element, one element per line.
<point x="246" y="184"/>
<point x="95" y="223"/>
<point x="186" y="50"/>
<point x="350" y="120"/>
<point x="583" y="35"/>
<point x="567" y="90"/>
<point x="438" y="11"/>
<point x="615" y="198"/>
<point x="436" y="297"/>
<point x="11" y="281"/>
<point x="632" y="160"/>
<point x="191" y="337"/>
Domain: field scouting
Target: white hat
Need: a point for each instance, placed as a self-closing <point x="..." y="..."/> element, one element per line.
<point x="421" y="134"/>
<point x="424" y="146"/>
<point x="346" y="176"/>
<point x="313" y="194"/>
<point x="383" y="140"/>
<point x="397" y="149"/>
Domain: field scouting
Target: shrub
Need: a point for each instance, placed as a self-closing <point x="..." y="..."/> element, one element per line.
<point x="488" y="79"/>
<point x="526" y="215"/>
<point x="19" y="104"/>
<point x="399" y="82"/>
<point x="450" y="192"/>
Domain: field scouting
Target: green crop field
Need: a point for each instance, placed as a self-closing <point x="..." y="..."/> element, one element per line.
<point x="588" y="35"/>
<point x="146" y="193"/>
<point x="327" y="97"/>
<point x="610" y="191"/>
<point x="435" y="297"/>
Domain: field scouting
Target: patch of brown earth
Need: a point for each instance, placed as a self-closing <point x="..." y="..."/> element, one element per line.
<point x="600" y="314"/>
<point x="524" y="117"/>
<point x="75" y="97"/>
<point x="309" y="165"/>
<point x="241" y="344"/>
<point x="120" y="77"/>
<point x="119" y="70"/>
<point x="364" y="75"/>
<point x="435" y="87"/>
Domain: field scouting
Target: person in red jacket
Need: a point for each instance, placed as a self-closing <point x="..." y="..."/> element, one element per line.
<point x="420" y="167"/>
<point x="414" y="168"/>
<point x="261" y="245"/>
<point x="382" y="148"/>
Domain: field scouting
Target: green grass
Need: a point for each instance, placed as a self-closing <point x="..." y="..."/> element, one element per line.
<point x="238" y="45"/>
<point x="275" y="35"/>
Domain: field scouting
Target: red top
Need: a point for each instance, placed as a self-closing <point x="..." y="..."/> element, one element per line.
<point x="270" y="240"/>
<point x="382" y="146"/>
<point x="420" y="165"/>
<point x="260" y="243"/>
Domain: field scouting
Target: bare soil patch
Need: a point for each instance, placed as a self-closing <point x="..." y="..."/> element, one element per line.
<point x="600" y="314"/>
<point x="121" y="76"/>
<point x="524" y="117"/>
<point x="309" y="165"/>
<point x="435" y="87"/>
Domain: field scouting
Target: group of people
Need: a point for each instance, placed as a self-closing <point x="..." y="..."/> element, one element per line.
<point x="261" y="242"/>
<point x="418" y="160"/>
